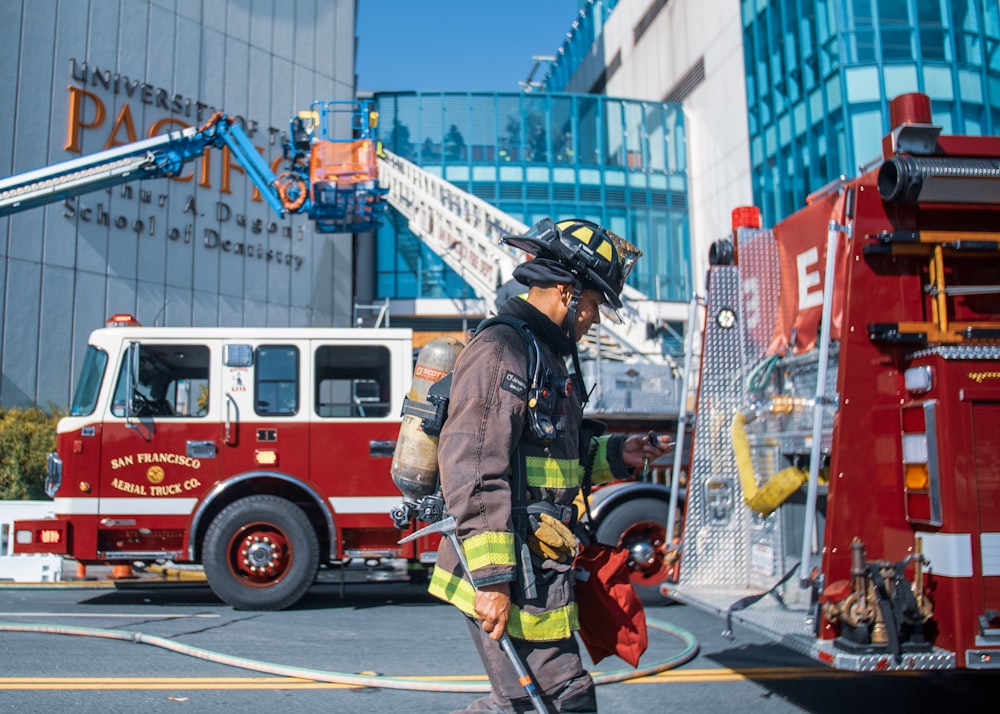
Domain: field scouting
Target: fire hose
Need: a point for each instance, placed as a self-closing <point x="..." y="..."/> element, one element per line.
<point x="347" y="678"/>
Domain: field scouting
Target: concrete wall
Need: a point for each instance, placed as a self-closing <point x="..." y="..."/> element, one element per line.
<point x="172" y="252"/>
<point x="681" y="34"/>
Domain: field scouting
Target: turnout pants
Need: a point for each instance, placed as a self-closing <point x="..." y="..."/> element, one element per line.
<point x="555" y="667"/>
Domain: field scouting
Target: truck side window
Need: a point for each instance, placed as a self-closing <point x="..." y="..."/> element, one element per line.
<point x="352" y="381"/>
<point x="276" y="386"/>
<point x="172" y="382"/>
<point x="88" y="384"/>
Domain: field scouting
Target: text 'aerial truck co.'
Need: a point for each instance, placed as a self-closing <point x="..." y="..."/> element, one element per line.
<point x="264" y="454"/>
<point x="844" y="496"/>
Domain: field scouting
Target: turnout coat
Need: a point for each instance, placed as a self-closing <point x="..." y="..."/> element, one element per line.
<point x="487" y="428"/>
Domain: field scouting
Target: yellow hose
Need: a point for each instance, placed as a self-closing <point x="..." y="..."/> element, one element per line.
<point x="763" y="499"/>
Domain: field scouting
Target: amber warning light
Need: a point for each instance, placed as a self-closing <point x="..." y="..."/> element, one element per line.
<point x="122" y="319"/>
<point x="44" y="536"/>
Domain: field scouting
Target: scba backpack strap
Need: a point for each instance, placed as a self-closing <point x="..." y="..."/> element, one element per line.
<point x="540" y="428"/>
<point x="434" y="412"/>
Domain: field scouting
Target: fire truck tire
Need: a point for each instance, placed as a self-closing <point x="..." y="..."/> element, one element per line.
<point x="640" y="527"/>
<point x="260" y="553"/>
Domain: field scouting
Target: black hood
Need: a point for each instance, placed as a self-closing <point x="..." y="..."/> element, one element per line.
<point x="543" y="328"/>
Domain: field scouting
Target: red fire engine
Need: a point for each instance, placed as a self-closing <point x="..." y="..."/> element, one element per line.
<point x="844" y="496"/>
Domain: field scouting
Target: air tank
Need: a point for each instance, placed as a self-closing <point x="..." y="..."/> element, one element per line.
<point x="414" y="462"/>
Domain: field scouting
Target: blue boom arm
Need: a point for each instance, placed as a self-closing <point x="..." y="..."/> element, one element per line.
<point x="161" y="156"/>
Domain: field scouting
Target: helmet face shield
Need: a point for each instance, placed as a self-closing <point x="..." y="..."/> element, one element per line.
<point x="610" y="314"/>
<point x="628" y="253"/>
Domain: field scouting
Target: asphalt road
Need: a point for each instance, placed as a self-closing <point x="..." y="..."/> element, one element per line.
<point x="391" y="629"/>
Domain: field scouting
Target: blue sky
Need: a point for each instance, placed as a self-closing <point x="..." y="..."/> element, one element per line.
<point x="475" y="45"/>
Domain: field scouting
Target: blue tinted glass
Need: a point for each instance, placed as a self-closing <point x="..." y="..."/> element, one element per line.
<point x="89" y="382"/>
<point x="276" y="380"/>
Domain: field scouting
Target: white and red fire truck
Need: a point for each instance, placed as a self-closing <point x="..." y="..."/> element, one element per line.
<point x="844" y="493"/>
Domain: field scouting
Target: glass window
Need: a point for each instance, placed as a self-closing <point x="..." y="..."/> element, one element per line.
<point x="657" y="143"/>
<point x="563" y="144"/>
<point x="634" y="158"/>
<point x="862" y="84"/>
<point x="861" y="12"/>
<point x="899" y="79"/>
<point x="867" y="130"/>
<point x="968" y="48"/>
<point x="933" y="45"/>
<point x="89" y="382"/>
<point x="974" y="119"/>
<point x="897" y="45"/>
<point x="536" y="130"/>
<point x="352" y="381"/>
<point x="860" y="46"/>
<point x="937" y="83"/>
<point x="172" y="381"/>
<point x="929" y="12"/>
<point x="588" y="126"/>
<point x="970" y="86"/>
<point x="276" y="380"/>
<point x="893" y="12"/>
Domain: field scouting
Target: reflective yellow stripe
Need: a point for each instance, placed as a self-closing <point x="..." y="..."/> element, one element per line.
<point x="456" y="591"/>
<point x="604" y="250"/>
<point x="555" y="624"/>
<point x="489" y="548"/>
<point x="602" y="470"/>
<point x="544" y="472"/>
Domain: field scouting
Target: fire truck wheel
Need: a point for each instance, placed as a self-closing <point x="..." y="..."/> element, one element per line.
<point x="261" y="553"/>
<point x="640" y="527"/>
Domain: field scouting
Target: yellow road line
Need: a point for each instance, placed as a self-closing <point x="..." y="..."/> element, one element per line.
<point x="157" y="683"/>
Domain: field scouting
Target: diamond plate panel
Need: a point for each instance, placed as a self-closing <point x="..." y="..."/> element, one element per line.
<point x="726" y="543"/>
<point x="715" y="546"/>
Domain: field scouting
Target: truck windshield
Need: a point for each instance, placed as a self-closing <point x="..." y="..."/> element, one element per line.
<point x="89" y="382"/>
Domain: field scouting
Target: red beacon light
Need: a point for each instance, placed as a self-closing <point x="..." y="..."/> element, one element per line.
<point x="745" y="217"/>
<point x="122" y="319"/>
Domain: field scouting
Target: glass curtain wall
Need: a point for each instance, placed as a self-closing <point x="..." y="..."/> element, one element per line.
<point x="820" y="75"/>
<point x="620" y="163"/>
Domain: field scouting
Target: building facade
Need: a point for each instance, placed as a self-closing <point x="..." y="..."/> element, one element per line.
<point x="682" y="52"/>
<point x="201" y="249"/>
<point x="820" y="76"/>
<point x="783" y="96"/>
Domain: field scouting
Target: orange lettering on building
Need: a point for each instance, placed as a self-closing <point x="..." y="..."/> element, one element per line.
<point x="124" y="118"/>
<point x="76" y="122"/>
<point x="228" y="167"/>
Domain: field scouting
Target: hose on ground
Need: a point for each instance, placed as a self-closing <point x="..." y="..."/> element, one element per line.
<point x="360" y="680"/>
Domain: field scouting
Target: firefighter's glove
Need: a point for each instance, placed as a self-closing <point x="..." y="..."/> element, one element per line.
<point x="552" y="540"/>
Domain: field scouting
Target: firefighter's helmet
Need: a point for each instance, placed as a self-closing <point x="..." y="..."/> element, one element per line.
<point x="597" y="258"/>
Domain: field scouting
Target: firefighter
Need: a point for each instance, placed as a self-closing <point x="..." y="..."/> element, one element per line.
<point x="512" y="456"/>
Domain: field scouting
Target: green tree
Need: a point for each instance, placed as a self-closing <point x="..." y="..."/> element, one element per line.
<point x="27" y="436"/>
